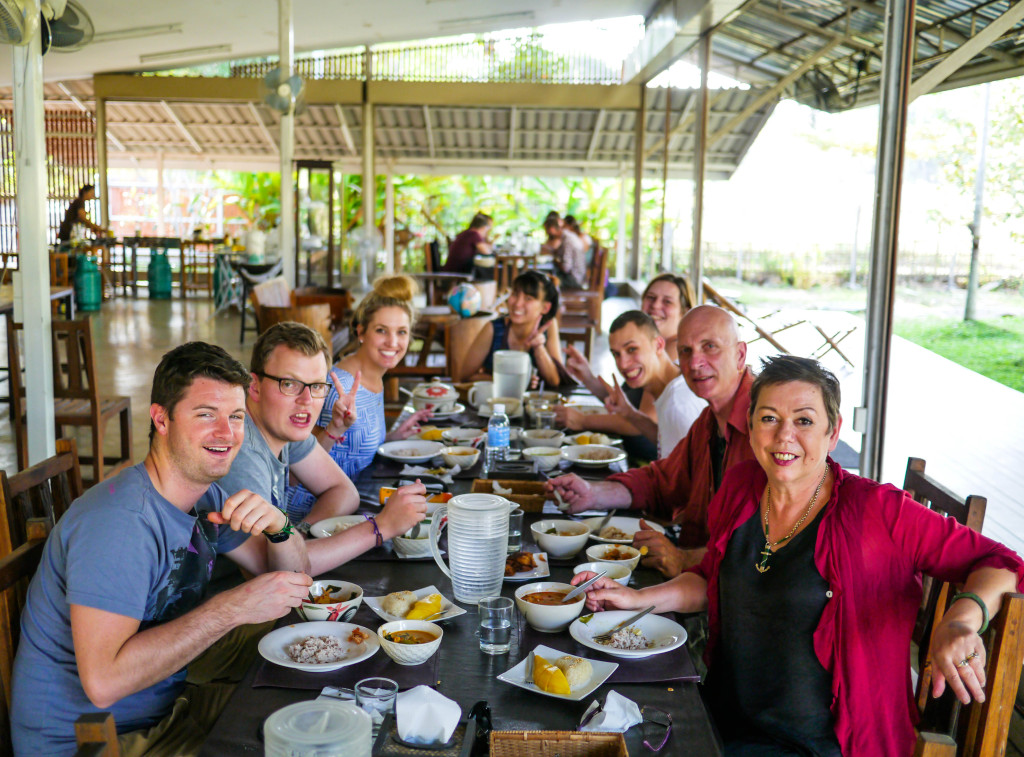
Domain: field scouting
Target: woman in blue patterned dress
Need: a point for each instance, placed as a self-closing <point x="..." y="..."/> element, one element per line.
<point x="351" y="426"/>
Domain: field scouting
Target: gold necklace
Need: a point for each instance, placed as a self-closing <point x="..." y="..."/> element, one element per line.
<point x="766" y="553"/>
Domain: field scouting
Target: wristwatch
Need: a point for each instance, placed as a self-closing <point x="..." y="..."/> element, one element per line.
<point x="304" y="528"/>
<point x="284" y="534"/>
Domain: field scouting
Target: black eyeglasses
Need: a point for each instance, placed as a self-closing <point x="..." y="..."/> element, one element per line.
<point x="293" y="387"/>
<point x="656" y="718"/>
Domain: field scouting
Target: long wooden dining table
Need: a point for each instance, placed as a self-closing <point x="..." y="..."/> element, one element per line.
<point x="459" y="669"/>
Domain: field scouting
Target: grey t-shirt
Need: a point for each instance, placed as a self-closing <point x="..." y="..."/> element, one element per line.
<point x="257" y="469"/>
<point x="122" y="548"/>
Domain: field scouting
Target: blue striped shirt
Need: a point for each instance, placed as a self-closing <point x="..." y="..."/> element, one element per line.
<point x="359" y="446"/>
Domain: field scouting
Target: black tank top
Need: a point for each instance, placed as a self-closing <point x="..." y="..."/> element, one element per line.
<point x="767" y="690"/>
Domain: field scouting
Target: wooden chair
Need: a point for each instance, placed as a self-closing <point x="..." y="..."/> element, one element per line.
<point x="968" y="512"/>
<point x="510" y="266"/>
<point x="325" y="310"/>
<point x="980" y="729"/>
<point x="17" y="567"/>
<point x="16" y="381"/>
<point x="46" y="490"/>
<point x="77" y="398"/>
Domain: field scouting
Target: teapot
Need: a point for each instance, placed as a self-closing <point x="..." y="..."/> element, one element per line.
<point x="436" y="395"/>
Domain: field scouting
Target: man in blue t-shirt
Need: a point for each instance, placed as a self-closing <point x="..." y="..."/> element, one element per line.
<point x="115" y="611"/>
<point x="290" y="364"/>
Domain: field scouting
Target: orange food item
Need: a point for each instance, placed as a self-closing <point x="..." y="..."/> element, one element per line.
<point x="387" y="491"/>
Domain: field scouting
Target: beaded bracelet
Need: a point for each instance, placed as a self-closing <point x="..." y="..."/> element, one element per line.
<point x="981" y="603"/>
<point x="333" y="438"/>
<point x="376" y="529"/>
<point x="283" y="535"/>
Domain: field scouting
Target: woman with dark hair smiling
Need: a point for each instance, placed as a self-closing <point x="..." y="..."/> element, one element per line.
<point x="812" y="582"/>
<point x="530" y="327"/>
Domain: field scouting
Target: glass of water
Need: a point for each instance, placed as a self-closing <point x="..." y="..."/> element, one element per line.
<point x="515" y="530"/>
<point x="495" y="625"/>
<point x="545" y="419"/>
<point x="377" y="697"/>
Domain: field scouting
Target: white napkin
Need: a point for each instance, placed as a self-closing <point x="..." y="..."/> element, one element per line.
<point x="618" y="715"/>
<point x="419" y="470"/>
<point x="426" y="717"/>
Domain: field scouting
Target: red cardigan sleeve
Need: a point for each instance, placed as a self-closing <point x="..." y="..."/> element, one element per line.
<point x="660" y="486"/>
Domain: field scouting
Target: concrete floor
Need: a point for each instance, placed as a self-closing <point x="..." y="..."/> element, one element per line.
<point x="966" y="426"/>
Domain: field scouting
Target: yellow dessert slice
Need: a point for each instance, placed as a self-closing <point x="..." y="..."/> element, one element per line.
<point x="549" y="677"/>
<point x="424" y="608"/>
<point x="583" y="439"/>
<point x="431" y="435"/>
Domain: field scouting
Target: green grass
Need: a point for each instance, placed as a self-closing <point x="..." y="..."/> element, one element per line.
<point x="993" y="348"/>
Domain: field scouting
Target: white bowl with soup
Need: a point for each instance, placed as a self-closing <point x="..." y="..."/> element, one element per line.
<point x="540" y="603"/>
<point x="543" y="437"/>
<point x="464" y="457"/>
<point x="617" y="554"/>
<point x="547" y="457"/>
<point x="560" y="538"/>
<point x="410" y="642"/>
<point x="337" y="601"/>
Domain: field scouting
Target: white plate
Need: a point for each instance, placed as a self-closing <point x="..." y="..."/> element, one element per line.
<point x="629" y="525"/>
<point x="273" y="645"/>
<point x="420" y="451"/>
<point x="601" y="671"/>
<point x="457" y="408"/>
<point x="664" y="634"/>
<point x="449" y="608"/>
<point x="324" y="528"/>
<point x="543" y="570"/>
<point x="574" y="438"/>
<point x="573" y="452"/>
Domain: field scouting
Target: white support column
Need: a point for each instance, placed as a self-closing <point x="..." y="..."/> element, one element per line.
<point x="369" y="172"/>
<point x="101" y="161"/>
<point x="389" y="222"/>
<point x="700" y="155"/>
<point x="32" y="284"/>
<point x="161" y="195"/>
<point x="286" y="226"/>
<point x="620" y="237"/>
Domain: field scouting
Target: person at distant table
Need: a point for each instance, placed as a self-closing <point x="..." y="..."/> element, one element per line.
<point x="76" y="215"/>
<point x="468" y="244"/>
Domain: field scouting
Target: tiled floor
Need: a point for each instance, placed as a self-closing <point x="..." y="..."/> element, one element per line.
<point x="968" y="428"/>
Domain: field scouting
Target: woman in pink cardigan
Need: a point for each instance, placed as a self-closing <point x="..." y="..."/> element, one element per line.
<point x="812" y="581"/>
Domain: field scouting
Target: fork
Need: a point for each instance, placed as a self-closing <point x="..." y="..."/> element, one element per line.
<point x="528" y="672"/>
<point x="604" y="638"/>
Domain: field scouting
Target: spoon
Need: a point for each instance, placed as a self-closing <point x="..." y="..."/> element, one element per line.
<point x="583" y="587"/>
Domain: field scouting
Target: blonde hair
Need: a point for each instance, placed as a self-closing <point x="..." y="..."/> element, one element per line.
<point x="388" y="292"/>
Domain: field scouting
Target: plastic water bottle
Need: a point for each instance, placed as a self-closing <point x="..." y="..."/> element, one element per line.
<point x="497" y="439"/>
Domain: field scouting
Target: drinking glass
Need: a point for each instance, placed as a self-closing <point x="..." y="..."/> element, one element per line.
<point x="495" y="625"/>
<point x="546" y="419"/>
<point x="376" y="696"/>
<point x="515" y="530"/>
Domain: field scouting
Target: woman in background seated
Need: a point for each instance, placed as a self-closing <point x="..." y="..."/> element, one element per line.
<point x="468" y="244"/>
<point x="530" y="327"/>
<point x="812" y="582"/>
<point x="351" y="426"/>
<point x="667" y="299"/>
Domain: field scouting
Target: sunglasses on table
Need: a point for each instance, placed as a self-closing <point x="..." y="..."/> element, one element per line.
<point x="654" y="720"/>
<point x="293" y="387"/>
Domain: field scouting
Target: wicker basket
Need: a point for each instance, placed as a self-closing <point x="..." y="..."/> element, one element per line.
<point x="560" y="743"/>
<point x="529" y="495"/>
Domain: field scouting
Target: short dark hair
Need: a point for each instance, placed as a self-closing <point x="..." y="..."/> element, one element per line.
<point x="539" y="285"/>
<point x="686" y="295"/>
<point x="85" y="188"/>
<point x="480" y="220"/>
<point x="296" y="336"/>
<point x="638" y="318"/>
<point x="183" y="365"/>
<point x="785" y="369"/>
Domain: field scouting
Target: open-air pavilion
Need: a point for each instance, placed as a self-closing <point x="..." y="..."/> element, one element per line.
<point x="829" y="54"/>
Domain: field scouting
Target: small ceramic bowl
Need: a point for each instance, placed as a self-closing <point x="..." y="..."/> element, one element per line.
<point x="341" y="610"/>
<point x="547" y="457"/>
<point x="410" y="654"/>
<point x="557" y="545"/>
<point x="408" y="547"/>
<point x="543" y="437"/>
<point x="620" y="573"/>
<point x="548" y="618"/>
<point x="598" y="551"/>
<point x="464" y="457"/>
<point x="462" y="436"/>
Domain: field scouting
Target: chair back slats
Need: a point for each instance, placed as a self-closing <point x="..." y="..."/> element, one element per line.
<point x="45" y="490"/>
<point x="17" y="385"/>
<point x="74" y="367"/>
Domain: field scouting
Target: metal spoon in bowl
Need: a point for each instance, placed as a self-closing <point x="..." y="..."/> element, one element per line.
<point x="583" y="587"/>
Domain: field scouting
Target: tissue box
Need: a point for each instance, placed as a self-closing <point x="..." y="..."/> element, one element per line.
<point x="388" y="744"/>
<point x="543" y="743"/>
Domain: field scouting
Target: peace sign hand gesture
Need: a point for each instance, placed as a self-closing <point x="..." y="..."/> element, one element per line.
<point x="616" y="402"/>
<point x="343" y="412"/>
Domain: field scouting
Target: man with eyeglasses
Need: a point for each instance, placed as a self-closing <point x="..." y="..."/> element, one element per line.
<point x="289" y="366"/>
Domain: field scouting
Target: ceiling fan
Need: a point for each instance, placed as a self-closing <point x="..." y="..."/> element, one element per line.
<point x="64" y="25"/>
<point x="284" y="94"/>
